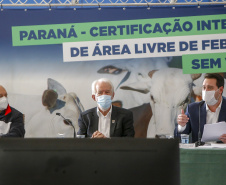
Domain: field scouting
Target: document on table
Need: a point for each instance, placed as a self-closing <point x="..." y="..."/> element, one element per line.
<point x="213" y="145"/>
<point x="212" y="132"/>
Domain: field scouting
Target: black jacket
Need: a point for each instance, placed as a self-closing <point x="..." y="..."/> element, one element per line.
<point x="121" y="122"/>
<point x="193" y="114"/>
<point x="11" y="123"/>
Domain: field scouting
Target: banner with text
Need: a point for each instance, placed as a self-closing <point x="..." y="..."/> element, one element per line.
<point x="147" y="54"/>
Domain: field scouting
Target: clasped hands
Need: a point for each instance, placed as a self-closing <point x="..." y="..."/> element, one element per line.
<point x="98" y="134"/>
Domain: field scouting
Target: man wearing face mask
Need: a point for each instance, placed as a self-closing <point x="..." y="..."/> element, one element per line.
<point x="105" y="120"/>
<point x="11" y="120"/>
<point x="213" y="110"/>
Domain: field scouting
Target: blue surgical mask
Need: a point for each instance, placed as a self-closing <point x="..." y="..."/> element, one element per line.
<point x="104" y="102"/>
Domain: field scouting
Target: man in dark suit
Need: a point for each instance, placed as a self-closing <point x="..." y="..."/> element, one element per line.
<point x="105" y="120"/>
<point x="213" y="110"/>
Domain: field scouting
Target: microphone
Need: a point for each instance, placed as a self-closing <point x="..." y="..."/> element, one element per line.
<point x="67" y="121"/>
<point x="199" y="143"/>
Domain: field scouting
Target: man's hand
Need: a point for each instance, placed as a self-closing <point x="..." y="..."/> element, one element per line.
<point x="182" y="118"/>
<point x="98" y="134"/>
<point x="223" y="138"/>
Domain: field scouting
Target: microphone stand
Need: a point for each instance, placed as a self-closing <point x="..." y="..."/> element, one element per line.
<point x="68" y="122"/>
<point x="199" y="143"/>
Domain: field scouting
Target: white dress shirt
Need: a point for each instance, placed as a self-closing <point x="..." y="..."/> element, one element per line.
<point x="211" y="117"/>
<point x="104" y="124"/>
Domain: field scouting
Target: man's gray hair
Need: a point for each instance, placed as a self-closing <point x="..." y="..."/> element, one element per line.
<point x="101" y="80"/>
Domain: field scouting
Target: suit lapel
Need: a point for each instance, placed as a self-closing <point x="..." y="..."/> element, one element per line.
<point x="113" y="121"/>
<point x="95" y="121"/>
<point x="202" y="117"/>
<point x="222" y="114"/>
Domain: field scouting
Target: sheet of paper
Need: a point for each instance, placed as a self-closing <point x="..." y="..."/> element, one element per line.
<point x="213" y="145"/>
<point x="212" y="132"/>
<point x="187" y="146"/>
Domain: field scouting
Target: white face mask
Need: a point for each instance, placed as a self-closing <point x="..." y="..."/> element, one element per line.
<point x="3" y="103"/>
<point x="209" y="98"/>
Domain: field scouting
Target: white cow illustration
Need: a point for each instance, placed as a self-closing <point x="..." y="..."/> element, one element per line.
<point x="170" y="91"/>
<point x="42" y="121"/>
<point x="132" y="71"/>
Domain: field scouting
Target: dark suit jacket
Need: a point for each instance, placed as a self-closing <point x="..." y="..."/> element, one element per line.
<point x="121" y="122"/>
<point x="193" y="124"/>
<point x="13" y="116"/>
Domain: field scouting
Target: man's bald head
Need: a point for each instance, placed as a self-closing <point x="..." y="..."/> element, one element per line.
<point x="2" y="91"/>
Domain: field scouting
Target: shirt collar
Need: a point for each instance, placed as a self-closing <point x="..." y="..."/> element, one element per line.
<point x="219" y="106"/>
<point x="100" y="114"/>
<point x="6" y="111"/>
